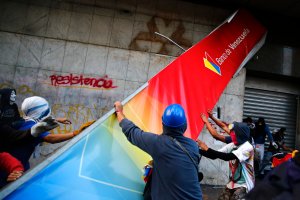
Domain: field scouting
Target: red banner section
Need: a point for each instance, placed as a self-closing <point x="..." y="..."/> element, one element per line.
<point x="198" y="77"/>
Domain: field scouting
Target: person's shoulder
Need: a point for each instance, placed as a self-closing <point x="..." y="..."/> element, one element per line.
<point x="14" y="105"/>
<point x="189" y="140"/>
<point x="246" y="146"/>
<point x="27" y="124"/>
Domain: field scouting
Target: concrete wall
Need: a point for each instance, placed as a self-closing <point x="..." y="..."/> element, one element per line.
<point x="277" y="59"/>
<point x="113" y="40"/>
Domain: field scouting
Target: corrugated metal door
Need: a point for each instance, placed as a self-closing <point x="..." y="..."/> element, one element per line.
<point x="278" y="109"/>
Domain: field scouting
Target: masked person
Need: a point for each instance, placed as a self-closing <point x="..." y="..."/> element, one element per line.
<point x="224" y="126"/>
<point x="260" y="133"/>
<point x="11" y="137"/>
<point x="174" y="175"/>
<point x="279" y="139"/>
<point x="282" y="183"/>
<point x="239" y="153"/>
<point x="9" y="113"/>
<point x="36" y="109"/>
<point x="11" y="168"/>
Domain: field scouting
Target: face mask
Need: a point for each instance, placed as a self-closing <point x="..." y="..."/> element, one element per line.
<point x="12" y="97"/>
<point x="233" y="137"/>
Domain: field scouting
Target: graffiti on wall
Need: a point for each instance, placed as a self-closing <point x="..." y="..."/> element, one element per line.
<point x="21" y="90"/>
<point x="176" y="35"/>
<point x="72" y="80"/>
<point x="76" y="113"/>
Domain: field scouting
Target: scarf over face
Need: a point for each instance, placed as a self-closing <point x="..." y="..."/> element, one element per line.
<point x="36" y="108"/>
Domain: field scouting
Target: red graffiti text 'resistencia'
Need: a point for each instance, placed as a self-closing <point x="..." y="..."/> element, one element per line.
<point x="71" y="80"/>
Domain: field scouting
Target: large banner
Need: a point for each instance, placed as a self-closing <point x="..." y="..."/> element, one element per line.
<point x="101" y="163"/>
<point x="197" y="78"/>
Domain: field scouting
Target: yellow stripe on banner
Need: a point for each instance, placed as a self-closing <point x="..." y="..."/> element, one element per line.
<point x="208" y="65"/>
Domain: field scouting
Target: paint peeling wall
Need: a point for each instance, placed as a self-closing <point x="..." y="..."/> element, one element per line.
<point x="44" y="43"/>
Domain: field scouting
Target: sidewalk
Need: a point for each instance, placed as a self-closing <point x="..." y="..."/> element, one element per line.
<point x="211" y="192"/>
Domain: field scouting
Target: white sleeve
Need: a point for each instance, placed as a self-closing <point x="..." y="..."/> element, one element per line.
<point x="227" y="148"/>
<point x="243" y="153"/>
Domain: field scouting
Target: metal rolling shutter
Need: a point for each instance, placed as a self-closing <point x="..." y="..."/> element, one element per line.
<point x="278" y="109"/>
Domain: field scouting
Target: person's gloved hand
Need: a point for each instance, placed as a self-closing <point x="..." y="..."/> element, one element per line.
<point x="275" y="145"/>
<point x="43" y="126"/>
<point x="82" y="127"/>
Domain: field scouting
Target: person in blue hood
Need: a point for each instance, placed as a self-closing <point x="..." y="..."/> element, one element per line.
<point x="175" y="174"/>
<point x="239" y="153"/>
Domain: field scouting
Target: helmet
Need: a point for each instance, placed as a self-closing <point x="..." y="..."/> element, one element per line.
<point x="174" y="116"/>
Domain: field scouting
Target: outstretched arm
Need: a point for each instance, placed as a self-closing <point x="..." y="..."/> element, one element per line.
<point x="221" y="124"/>
<point x="211" y="130"/>
<point x="56" y="138"/>
<point x="269" y="133"/>
<point x="144" y="140"/>
<point x="285" y="148"/>
<point x="212" y="154"/>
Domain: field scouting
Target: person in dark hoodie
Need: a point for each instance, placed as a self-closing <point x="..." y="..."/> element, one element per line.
<point x="10" y="137"/>
<point x="36" y="109"/>
<point x="9" y="113"/>
<point x="260" y="133"/>
<point x="239" y="153"/>
<point x="11" y="168"/>
<point x="175" y="175"/>
<point x="223" y="125"/>
<point x="282" y="183"/>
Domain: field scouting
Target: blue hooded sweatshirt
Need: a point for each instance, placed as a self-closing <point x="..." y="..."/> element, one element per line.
<point x="242" y="132"/>
<point x="174" y="174"/>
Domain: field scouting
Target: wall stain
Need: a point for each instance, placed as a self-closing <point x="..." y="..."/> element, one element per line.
<point x="150" y="36"/>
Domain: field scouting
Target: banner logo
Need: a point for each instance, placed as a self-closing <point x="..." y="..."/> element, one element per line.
<point x="208" y="63"/>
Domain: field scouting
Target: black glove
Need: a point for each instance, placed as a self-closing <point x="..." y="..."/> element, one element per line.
<point x="43" y="126"/>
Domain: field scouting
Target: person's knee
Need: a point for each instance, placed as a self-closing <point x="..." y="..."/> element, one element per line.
<point x="225" y="195"/>
<point x="239" y="194"/>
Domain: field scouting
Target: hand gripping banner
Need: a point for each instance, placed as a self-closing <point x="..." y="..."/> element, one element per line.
<point x="100" y="163"/>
